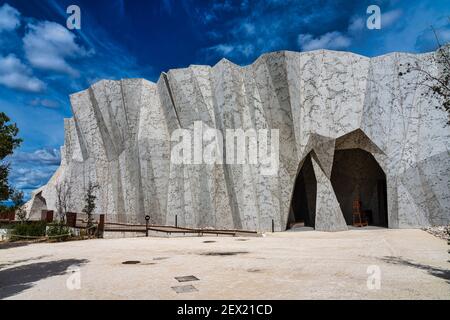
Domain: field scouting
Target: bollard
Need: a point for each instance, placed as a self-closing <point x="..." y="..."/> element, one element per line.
<point x="273" y="226"/>
<point x="147" y="218"/>
<point x="176" y="221"/>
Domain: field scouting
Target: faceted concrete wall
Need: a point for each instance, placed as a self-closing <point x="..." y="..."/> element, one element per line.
<point x="119" y="137"/>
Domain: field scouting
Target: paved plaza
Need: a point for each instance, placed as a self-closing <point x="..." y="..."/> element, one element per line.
<point x="354" y="264"/>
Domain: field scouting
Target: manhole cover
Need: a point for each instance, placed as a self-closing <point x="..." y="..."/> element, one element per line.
<point x="160" y="258"/>
<point x="208" y="241"/>
<point x="184" y="289"/>
<point x="131" y="262"/>
<point x="187" y="278"/>
<point x="242" y="239"/>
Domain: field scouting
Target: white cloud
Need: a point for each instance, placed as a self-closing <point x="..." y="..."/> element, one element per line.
<point x="48" y="45"/>
<point x="214" y="11"/>
<point x="246" y="29"/>
<point x="44" y="156"/>
<point x="47" y="103"/>
<point x="222" y="5"/>
<point x="222" y="49"/>
<point x="427" y="41"/>
<point x="31" y="170"/>
<point x="388" y="18"/>
<point x="30" y="178"/>
<point x="356" y="24"/>
<point x="207" y="17"/>
<point x="15" y="75"/>
<point x="245" y="50"/>
<point x="330" y="40"/>
<point x="9" y="18"/>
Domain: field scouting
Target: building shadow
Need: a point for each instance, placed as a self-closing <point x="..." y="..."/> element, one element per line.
<point x="11" y="263"/>
<point x="17" y="279"/>
<point x="12" y="244"/>
<point x="434" y="271"/>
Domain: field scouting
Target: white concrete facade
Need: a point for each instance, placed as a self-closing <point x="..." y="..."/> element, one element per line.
<point x="119" y="137"/>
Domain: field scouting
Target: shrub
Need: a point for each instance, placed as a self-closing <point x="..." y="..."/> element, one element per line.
<point x="18" y="202"/>
<point x="6" y="226"/>
<point x="31" y="230"/>
<point x="58" y="231"/>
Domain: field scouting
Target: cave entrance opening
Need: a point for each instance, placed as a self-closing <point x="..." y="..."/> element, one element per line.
<point x="303" y="204"/>
<point x="357" y="177"/>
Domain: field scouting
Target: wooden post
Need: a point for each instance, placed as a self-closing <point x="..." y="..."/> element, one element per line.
<point x="101" y="225"/>
<point x="147" y="219"/>
<point x="43" y="215"/>
<point x="71" y="219"/>
<point x="47" y="216"/>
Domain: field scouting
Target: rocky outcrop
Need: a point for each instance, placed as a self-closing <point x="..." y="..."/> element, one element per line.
<point x="320" y="101"/>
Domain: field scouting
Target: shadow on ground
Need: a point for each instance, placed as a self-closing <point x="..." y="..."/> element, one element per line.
<point x="12" y="244"/>
<point x="17" y="279"/>
<point x="434" y="271"/>
<point x="11" y="263"/>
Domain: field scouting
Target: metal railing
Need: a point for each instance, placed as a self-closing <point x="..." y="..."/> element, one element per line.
<point x="123" y="227"/>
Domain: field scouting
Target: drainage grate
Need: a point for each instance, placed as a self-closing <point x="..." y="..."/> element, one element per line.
<point x="184" y="289"/>
<point x="131" y="262"/>
<point x="187" y="278"/>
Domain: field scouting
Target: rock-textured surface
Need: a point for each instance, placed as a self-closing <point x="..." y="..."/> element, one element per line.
<point x="320" y="101"/>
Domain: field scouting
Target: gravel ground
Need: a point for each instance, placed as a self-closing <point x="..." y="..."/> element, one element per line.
<point x="442" y="232"/>
<point x="355" y="264"/>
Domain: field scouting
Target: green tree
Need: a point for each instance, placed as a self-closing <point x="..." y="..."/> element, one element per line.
<point x="8" y="142"/>
<point x="17" y="199"/>
<point x="89" y="200"/>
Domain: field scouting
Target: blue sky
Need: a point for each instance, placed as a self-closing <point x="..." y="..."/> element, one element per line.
<point x="42" y="62"/>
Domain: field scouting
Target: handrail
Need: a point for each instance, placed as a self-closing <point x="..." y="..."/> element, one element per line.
<point x="181" y="228"/>
<point x="143" y="225"/>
